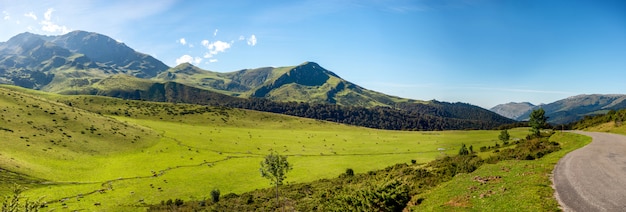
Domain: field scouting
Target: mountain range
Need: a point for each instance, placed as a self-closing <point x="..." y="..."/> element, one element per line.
<point x="565" y="110"/>
<point x="77" y="61"/>
<point x="89" y="63"/>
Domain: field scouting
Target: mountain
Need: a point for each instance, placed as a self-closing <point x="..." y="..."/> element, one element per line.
<point x="36" y="61"/>
<point x="307" y="82"/>
<point x="513" y="110"/>
<point x="90" y="63"/>
<point x="576" y="107"/>
<point x="566" y="110"/>
<point x="110" y="53"/>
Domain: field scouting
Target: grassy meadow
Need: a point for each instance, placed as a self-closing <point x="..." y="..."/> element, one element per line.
<point x="76" y="151"/>
<point x="509" y="185"/>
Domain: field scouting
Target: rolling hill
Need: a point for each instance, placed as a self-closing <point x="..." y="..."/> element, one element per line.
<point x="89" y="63"/>
<point x="85" y="152"/>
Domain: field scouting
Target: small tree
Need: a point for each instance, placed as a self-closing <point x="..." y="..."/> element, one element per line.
<point x="463" y="150"/>
<point x="215" y="195"/>
<point x="504" y="136"/>
<point x="275" y="167"/>
<point x="537" y="121"/>
<point x="16" y="202"/>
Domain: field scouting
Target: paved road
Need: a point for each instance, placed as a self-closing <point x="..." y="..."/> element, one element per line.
<point x="593" y="178"/>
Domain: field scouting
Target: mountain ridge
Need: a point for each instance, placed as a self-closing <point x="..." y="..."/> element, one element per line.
<point x="83" y="62"/>
<point x="569" y="109"/>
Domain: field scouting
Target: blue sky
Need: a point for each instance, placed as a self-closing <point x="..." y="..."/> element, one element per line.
<point x="476" y="51"/>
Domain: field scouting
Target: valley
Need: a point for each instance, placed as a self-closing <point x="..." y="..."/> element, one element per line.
<point x="95" y="125"/>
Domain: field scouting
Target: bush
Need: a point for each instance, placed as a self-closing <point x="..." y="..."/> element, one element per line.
<point x="215" y="195"/>
<point x="349" y="172"/>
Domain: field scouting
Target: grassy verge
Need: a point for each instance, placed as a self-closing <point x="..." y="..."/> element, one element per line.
<point x="510" y="185"/>
<point x="608" y="127"/>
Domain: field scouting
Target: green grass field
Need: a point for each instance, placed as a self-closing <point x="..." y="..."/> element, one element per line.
<point x="126" y="154"/>
<point x="511" y="185"/>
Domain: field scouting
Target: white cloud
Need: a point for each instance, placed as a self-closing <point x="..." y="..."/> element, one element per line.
<point x="215" y="47"/>
<point x="48" y="14"/>
<point x="48" y="26"/>
<point x="188" y="59"/>
<point x="252" y="40"/>
<point x="31" y="15"/>
<point x="182" y="41"/>
<point x="184" y="59"/>
<point x="215" y="33"/>
<point x="6" y="15"/>
<point x="241" y="37"/>
<point x="218" y="46"/>
<point x="213" y="61"/>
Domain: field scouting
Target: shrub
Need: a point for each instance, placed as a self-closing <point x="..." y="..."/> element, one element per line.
<point x="215" y="195"/>
<point x="349" y="172"/>
<point x="463" y="150"/>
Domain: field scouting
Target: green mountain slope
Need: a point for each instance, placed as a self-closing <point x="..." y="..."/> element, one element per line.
<point x="53" y="62"/>
<point x="44" y="133"/>
<point x="307" y="82"/>
<point x="89" y="63"/>
<point x="85" y="152"/>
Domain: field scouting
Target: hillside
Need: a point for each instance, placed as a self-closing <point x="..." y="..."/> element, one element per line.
<point x="93" y="64"/>
<point x="84" y="152"/>
<point x="613" y="122"/>
<point x="40" y="137"/>
<point x="307" y="82"/>
<point x="407" y="116"/>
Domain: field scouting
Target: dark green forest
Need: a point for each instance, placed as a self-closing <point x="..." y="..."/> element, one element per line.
<point x="404" y="116"/>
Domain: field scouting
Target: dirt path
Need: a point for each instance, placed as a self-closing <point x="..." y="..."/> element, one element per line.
<point x="593" y="178"/>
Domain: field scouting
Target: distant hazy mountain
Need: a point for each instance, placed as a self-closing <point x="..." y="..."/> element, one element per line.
<point x="90" y="63"/>
<point x="576" y="107"/>
<point x="513" y="110"/>
<point x="566" y="110"/>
